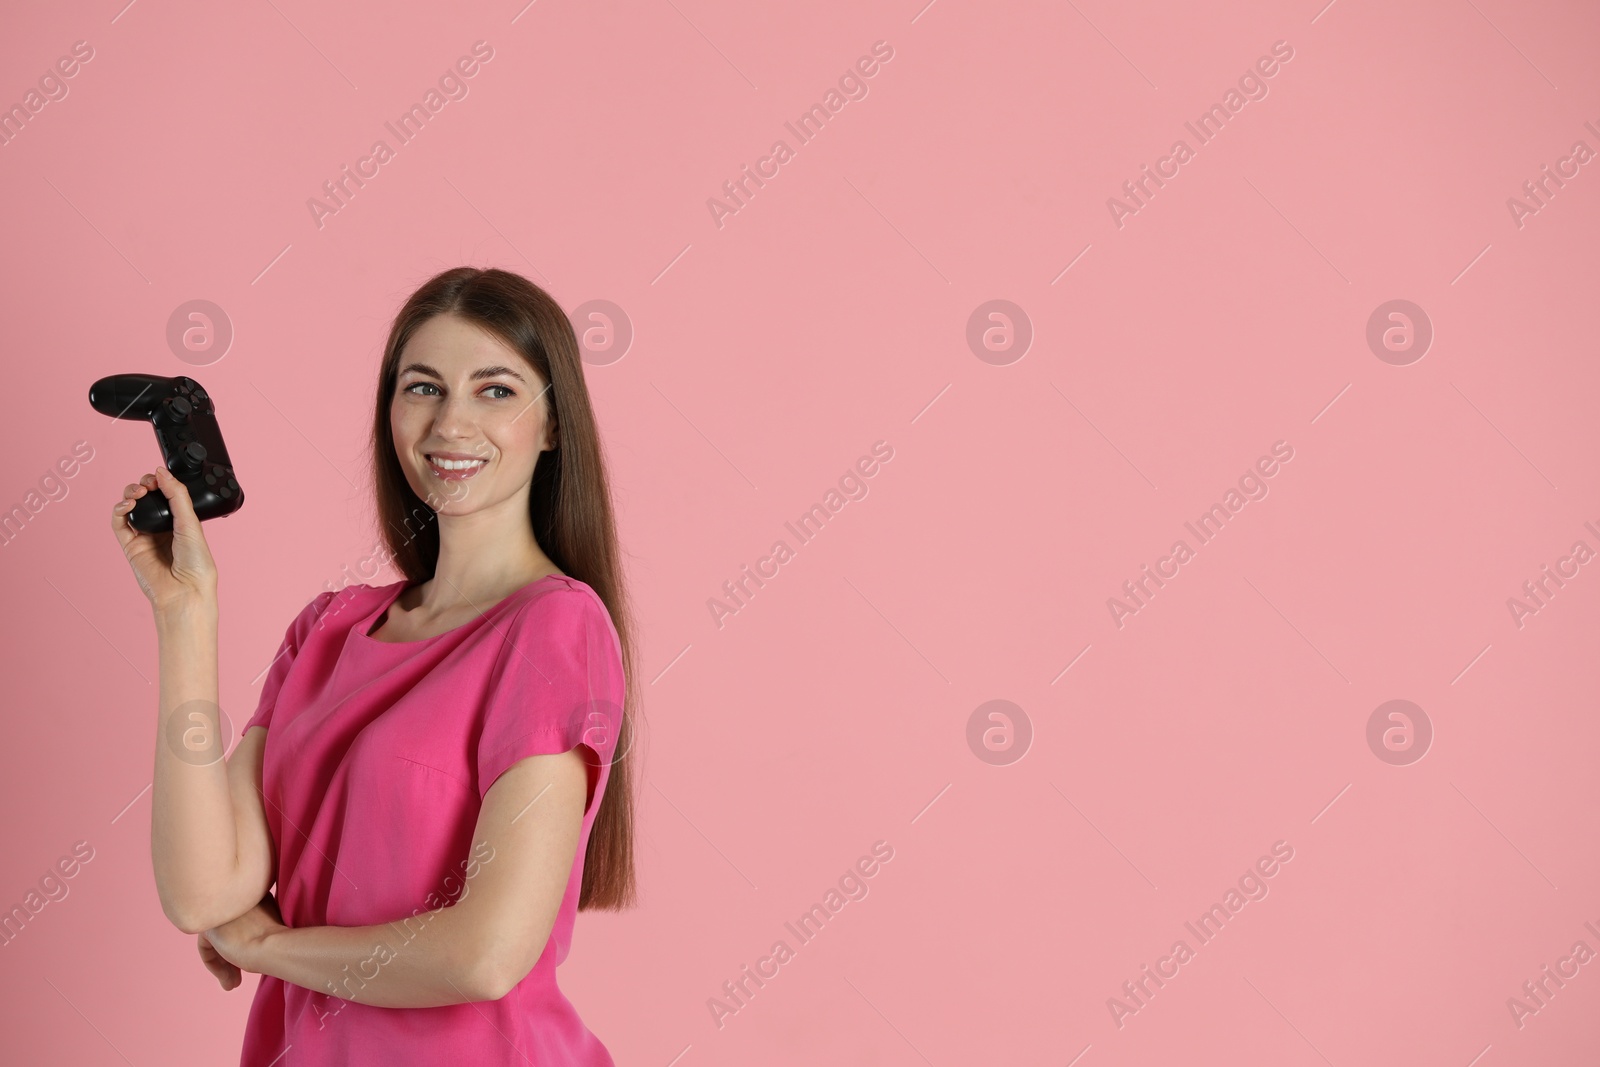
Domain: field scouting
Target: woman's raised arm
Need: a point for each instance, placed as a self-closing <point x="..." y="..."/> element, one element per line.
<point x="209" y="843"/>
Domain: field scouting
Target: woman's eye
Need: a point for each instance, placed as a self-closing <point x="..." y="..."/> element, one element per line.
<point x="509" y="392"/>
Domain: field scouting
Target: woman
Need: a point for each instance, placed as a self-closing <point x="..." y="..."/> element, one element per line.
<point x="433" y="777"/>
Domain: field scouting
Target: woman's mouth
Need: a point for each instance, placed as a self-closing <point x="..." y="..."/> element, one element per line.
<point x="454" y="470"/>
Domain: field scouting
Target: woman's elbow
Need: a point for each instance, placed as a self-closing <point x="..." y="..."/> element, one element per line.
<point x="500" y="968"/>
<point x="492" y="983"/>
<point x="196" y="914"/>
<point x="489" y="985"/>
<point x="188" y="921"/>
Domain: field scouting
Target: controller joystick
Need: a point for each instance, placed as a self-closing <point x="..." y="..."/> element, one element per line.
<point x="187" y="459"/>
<point x="185" y="422"/>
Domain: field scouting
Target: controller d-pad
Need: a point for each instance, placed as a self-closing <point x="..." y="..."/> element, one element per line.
<point x="192" y="389"/>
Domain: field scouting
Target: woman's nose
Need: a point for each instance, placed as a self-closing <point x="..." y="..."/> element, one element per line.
<point x="453" y="415"/>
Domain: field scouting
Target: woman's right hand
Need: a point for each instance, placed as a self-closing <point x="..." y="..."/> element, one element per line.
<point x="174" y="569"/>
<point x="228" y="975"/>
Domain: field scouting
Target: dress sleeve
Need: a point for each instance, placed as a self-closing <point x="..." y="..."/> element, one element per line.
<point x="557" y="684"/>
<point x="293" y="639"/>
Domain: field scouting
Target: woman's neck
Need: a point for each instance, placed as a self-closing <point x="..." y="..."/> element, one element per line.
<point x="479" y="562"/>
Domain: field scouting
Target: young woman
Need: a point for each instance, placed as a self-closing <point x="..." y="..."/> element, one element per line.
<point x="434" y="775"/>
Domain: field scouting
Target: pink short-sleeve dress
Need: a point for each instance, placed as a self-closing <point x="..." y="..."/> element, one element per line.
<point x="378" y="756"/>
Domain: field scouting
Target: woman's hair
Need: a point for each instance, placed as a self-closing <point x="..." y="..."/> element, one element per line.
<point x="569" y="507"/>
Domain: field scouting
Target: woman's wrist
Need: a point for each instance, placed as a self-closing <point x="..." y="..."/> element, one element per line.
<point x="185" y="616"/>
<point x="264" y="953"/>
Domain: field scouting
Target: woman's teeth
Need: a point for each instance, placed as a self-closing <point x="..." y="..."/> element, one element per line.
<point x="458" y="467"/>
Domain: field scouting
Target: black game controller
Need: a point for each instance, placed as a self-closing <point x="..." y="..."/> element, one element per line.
<point x="191" y="443"/>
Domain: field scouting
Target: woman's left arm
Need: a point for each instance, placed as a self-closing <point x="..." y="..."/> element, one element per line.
<point x="477" y="948"/>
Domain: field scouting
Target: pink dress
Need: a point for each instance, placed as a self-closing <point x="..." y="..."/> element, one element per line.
<point x="378" y="756"/>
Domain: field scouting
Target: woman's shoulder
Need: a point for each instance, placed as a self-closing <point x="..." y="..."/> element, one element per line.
<point x="331" y="603"/>
<point x="357" y="592"/>
<point x="557" y="597"/>
<point x="554" y="592"/>
<point x="563" y="617"/>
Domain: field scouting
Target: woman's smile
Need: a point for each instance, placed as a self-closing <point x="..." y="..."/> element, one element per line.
<point x="454" y="470"/>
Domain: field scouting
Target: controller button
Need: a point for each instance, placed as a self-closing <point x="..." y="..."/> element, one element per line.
<point x="225" y="493"/>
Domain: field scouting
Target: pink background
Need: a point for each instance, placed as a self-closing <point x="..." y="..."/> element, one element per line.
<point x="769" y="354"/>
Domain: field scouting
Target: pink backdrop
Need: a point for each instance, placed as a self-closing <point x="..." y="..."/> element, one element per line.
<point x="1064" y="384"/>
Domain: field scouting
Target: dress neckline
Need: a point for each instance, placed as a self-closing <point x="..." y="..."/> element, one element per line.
<point x="364" y="627"/>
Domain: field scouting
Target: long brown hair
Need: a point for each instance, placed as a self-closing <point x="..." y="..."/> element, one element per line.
<point x="569" y="506"/>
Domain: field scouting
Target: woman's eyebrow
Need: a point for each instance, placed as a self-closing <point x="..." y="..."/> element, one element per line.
<point x="481" y="372"/>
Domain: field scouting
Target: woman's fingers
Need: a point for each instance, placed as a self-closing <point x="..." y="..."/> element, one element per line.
<point x="226" y="973"/>
<point x="170" y="566"/>
<point x="228" y="976"/>
<point x="185" y="523"/>
<point x="183" y="517"/>
<point x="191" y="556"/>
<point x="119" y="517"/>
<point x="131" y="493"/>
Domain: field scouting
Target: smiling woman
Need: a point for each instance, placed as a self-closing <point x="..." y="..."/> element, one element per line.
<point x="479" y="705"/>
<point x="462" y="409"/>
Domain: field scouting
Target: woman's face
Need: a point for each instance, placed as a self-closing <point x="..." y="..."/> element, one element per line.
<point x="465" y="399"/>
